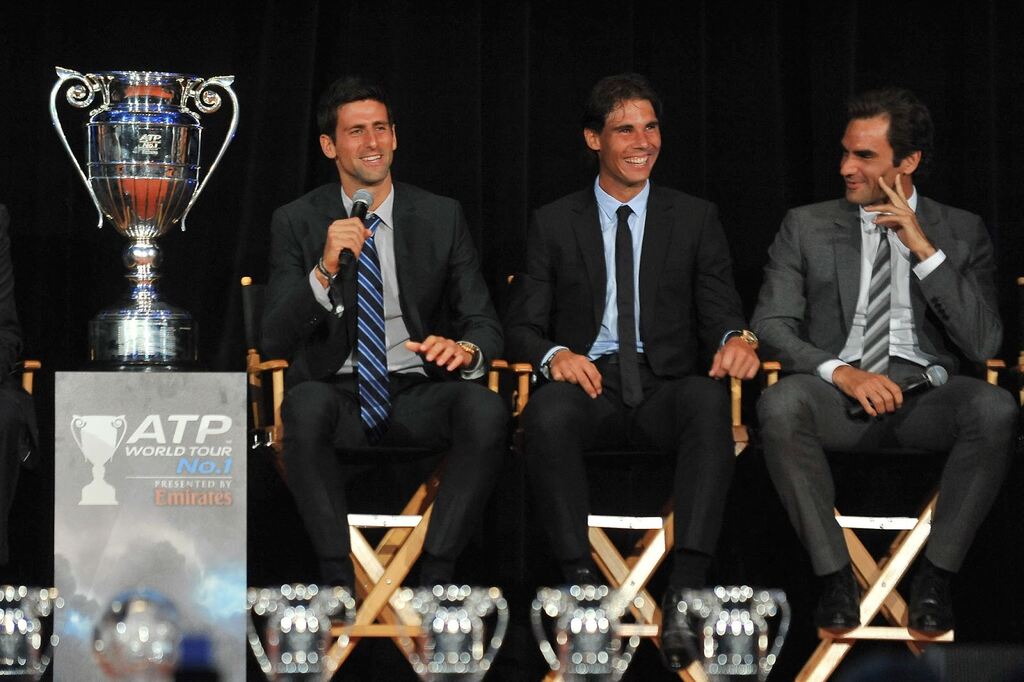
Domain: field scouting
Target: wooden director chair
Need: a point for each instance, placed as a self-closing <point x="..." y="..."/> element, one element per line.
<point x="379" y="569"/>
<point x="878" y="579"/>
<point x="631" y="572"/>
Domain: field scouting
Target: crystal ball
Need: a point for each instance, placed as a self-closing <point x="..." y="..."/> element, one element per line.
<point x="138" y="635"/>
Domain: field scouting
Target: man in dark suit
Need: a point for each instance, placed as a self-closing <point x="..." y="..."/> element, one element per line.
<point x="371" y="336"/>
<point x="18" y="433"/>
<point x="860" y="294"/>
<point x="627" y="294"/>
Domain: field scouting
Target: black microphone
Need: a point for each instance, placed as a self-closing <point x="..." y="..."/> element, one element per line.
<point x="935" y="375"/>
<point x="361" y="201"/>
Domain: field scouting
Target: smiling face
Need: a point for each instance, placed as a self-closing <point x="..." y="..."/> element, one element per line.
<point x="867" y="156"/>
<point x="627" y="147"/>
<point x="362" y="147"/>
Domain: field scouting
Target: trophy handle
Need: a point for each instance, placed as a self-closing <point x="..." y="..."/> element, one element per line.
<point x="779" y="597"/>
<point x="500" y="626"/>
<point x="79" y="96"/>
<point x="122" y="427"/>
<point x="537" y="621"/>
<point x="208" y="101"/>
<point x="75" y="419"/>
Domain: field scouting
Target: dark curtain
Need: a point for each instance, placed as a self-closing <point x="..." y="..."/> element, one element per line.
<point x="487" y="98"/>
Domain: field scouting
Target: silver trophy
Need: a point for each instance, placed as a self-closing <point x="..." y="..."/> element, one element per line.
<point x="733" y="629"/>
<point x="584" y="621"/>
<point x="296" y="625"/>
<point x="455" y="622"/>
<point x="26" y="641"/>
<point x="143" y="174"/>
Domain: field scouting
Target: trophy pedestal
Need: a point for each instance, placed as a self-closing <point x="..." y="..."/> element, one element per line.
<point x="156" y="336"/>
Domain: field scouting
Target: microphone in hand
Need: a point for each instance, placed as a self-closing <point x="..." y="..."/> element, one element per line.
<point x="361" y="202"/>
<point x="934" y="375"/>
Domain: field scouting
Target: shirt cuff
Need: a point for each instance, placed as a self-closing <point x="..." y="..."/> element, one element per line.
<point x="322" y="295"/>
<point x="826" y="369"/>
<point x="725" y="336"/>
<point x="477" y="370"/>
<point x="928" y="265"/>
<point x="544" y="361"/>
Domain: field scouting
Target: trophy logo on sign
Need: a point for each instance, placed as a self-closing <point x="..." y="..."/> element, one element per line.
<point x="98" y="436"/>
<point x="142" y="173"/>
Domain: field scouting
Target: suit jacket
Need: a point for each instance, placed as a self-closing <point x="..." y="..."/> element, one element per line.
<point x="687" y="297"/>
<point x="812" y="281"/>
<point x="441" y="290"/>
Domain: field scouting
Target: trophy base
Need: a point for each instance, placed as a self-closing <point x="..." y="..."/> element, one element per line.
<point x="157" y="337"/>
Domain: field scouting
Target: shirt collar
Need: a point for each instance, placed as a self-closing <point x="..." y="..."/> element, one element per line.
<point x="867" y="219"/>
<point x="385" y="211"/>
<point x="608" y="204"/>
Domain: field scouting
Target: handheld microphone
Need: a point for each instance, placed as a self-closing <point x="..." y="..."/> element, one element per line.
<point x="934" y="375"/>
<point x="361" y="201"/>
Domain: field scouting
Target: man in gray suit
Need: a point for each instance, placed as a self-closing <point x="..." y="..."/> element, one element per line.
<point x="860" y="295"/>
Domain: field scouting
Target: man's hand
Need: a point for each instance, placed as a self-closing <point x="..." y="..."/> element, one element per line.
<point x="736" y="358"/>
<point x="877" y="393"/>
<point x="348" y="233"/>
<point x="576" y="369"/>
<point x="441" y="351"/>
<point x="898" y="217"/>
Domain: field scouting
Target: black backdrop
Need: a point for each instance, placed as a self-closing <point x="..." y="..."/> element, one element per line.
<point x="487" y="98"/>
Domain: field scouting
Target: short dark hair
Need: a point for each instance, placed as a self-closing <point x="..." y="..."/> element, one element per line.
<point x="910" y="123"/>
<point x="342" y="91"/>
<point x="611" y="91"/>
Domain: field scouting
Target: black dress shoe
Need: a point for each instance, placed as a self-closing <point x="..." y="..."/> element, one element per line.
<point x="931" y="606"/>
<point x="838" y="606"/>
<point x="678" y="640"/>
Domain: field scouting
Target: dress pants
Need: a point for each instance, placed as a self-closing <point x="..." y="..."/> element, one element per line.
<point x="464" y="421"/>
<point x="687" y="418"/>
<point x="802" y="416"/>
<point x="16" y="438"/>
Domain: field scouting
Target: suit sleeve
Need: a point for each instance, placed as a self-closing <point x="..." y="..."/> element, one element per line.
<point x="292" y="312"/>
<point x="964" y="297"/>
<point x="528" y="317"/>
<point x="718" y="304"/>
<point x="780" y="317"/>
<point x="474" y="317"/>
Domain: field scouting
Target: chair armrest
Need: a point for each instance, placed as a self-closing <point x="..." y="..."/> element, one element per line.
<point x="771" y="369"/>
<point x="524" y="376"/>
<point x="28" y="369"/>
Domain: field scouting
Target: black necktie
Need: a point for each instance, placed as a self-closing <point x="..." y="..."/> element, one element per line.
<point x="632" y="391"/>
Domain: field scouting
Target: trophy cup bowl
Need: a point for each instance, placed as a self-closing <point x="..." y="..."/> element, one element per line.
<point x="25" y="645"/>
<point x="455" y="622"/>
<point x="732" y="626"/>
<point x="138" y="637"/>
<point x="584" y="621"/>
<point x="296" y="623"/>
<point x="142" y="172"/>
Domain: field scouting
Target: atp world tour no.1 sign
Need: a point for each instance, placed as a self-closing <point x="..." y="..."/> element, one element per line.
<point x="149" y="499"/>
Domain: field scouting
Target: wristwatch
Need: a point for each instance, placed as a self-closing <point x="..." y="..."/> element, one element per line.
<point x="472" y="349"/>
<point x="745" y="334"/>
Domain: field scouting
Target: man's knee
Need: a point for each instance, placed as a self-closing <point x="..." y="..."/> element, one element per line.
<point x="782" y="406"/>
<point x="553" y="409"/>
<point x="991" y="410"/>
<point x="480" y="405"/>
<point x="309" y="408"/>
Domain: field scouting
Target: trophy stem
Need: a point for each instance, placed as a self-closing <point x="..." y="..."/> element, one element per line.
<point x="143" y="333"/>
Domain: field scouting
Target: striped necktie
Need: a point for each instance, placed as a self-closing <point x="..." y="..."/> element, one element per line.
<point x="875" y="357"/>
<point x="371" y="347"/>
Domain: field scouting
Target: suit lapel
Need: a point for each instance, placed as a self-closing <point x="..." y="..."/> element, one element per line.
<point x="657" y="234"/>
<point x="587" y="228"/>
<point x="406" y="232"/>
<point x="929" y="222"/>
<point x="847" y="251"/>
